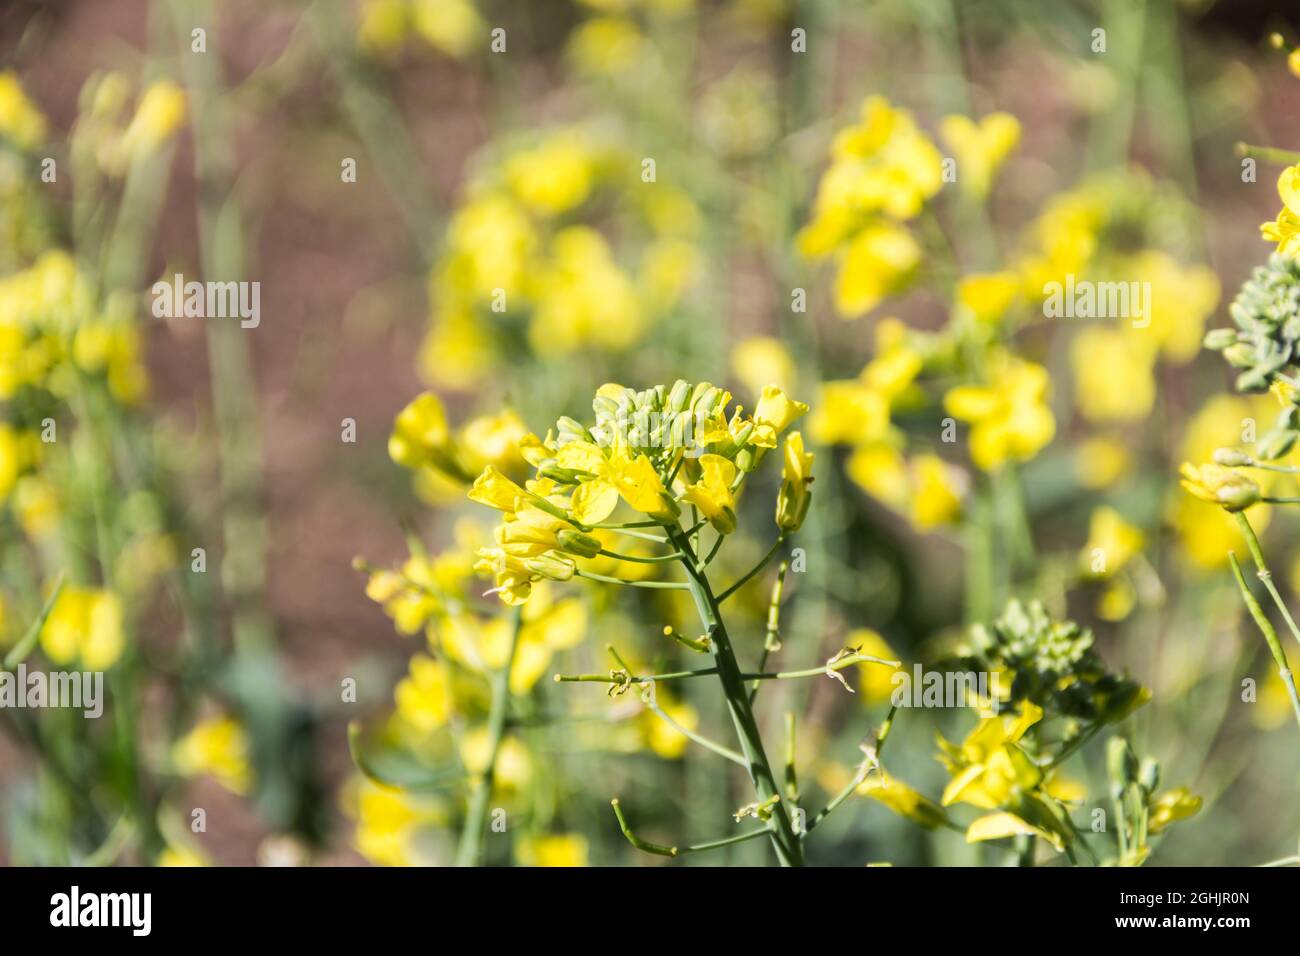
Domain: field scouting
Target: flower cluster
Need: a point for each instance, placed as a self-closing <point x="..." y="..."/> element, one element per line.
<point x="653" y="452"/>
<point x="524" y="251"/>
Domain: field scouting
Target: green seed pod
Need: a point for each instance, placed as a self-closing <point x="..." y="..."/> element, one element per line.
<point x="1121" y="762"/>
<point x="1149" y="775"/>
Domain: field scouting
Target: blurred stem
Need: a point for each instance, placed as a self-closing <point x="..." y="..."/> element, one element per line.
<point x="1112" y="131"/>
<point x="784" y="841"/>
<point x="378" y="123"/>
<point x="470" y="850"/>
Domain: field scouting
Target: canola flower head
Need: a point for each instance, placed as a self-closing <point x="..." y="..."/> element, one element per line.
<point x="651" y="451"/>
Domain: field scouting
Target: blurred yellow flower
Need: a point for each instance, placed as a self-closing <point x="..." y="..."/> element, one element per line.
<point x="218" y="748"/>
<point x="558" y="849"/>
<point x="552" y="177"/>
<point x="1112" y="543"/>
<point x="876" y="263"/>
<point x="849" y="413"/>
<point x="1114" y="379"/>
<point x="987" y="296"/>
<point x="1010" y="418"/>
<point x="1172" y="806"/>
<point x="20" y="120"/>
<point x="605" y="46"/>
<point x="160" y="113"/>
<point x="84" y="625"/>
<point x="980" y="148"/>
<point x="760" y="360"/>
<point x="388" y="823"/>
<point x="902" y="799"/>
<point x="1100" y="461"/>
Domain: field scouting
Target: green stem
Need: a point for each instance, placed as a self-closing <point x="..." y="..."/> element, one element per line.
<point x="1263" y="573"/>
<point x="784" y="841"/>
<point x="1270" y="635"/>
<point x="470" y="850"/>
<point x="780" y="539"/>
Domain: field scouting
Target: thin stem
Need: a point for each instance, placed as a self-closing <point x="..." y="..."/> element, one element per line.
<point x="655" y="559"/>
<point x="1269" y="154"/>
<point x="780" y="539"/>
<point x="1270" y="635"/>
<point x="672" y="851"/>
<point x="829" y="668"/>
<point x="606" y="579"/>
<point x="470" y="850"/>
<point x="1263" y="573"/>
<point x="791" y="777"/>
<point x="725" y="752"/>
<point x="772" y="637"/>
<point x="629" y="678"/>
<point x="784" y="840"/>
<point x="860" y="775"/>
<point x="27" y="643"/>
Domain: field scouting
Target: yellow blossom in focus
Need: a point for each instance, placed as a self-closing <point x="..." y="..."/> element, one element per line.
<point x="218" y="748"/>
<point x="1229" y="489"/>
<point x="793" y="499"/>
<point x="1285" y="229"/>
<point x="712" y="494"/>
<point x="775" y="413"/>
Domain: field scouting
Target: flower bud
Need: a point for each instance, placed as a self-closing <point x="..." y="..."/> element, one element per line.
<point x="1216" y="340"/>
<point x="575" y="542"/>
<point x="1231" y="458"/>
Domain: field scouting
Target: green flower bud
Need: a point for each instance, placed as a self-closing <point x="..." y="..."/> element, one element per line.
<point x="575" y="542"/>
<point x="1216" y="340"/>
<point x="1231" y="458"/>
<point x="1276" y="444"/>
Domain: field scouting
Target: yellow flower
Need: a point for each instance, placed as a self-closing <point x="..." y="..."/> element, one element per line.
<point x="552" y="177"/>
<point x="1172" y="806"/>
<point x="514" y="764"/>
<point x="896" y="364"/>
<point x="491" y="245"/>
<point x="1100" y="461"/>
<point x="775" y="413"/>
<point x="559" y="849"/>
<point x="1221" y="486"/>
<point x="849" y="413"/>
<point x="1181" y="299"/>
<point x="584" y="298"/>
<point x="421" y="438"/>
<point x="424" y="698"/>
<point x="761" y="359"/>
<point x="876" y="263"/>
<point x="85" y="624"/>
<point x="1010" y="418"/>
<point x="1285" y="230"/>
<point x="937" y="490"/>
<point x="219" y="748"/>
<point x="495" y="490"/>
<point x="986" y="297"/>
<point x="181" y="856"/>
<point x="1112" y="540"/>
<point x="796" y="479"/>
<point x="988" y="767"/>
<point x="388" y="821"/>
<point x="605" y="46"/>
<point x="712" y="493"/>
<point x="1114" y="379"/>
<point x="980" y="148"/>
<point x="20" y="120"/>
<point x="615" y="476"/>
<point x="452" y="26"/>
<point x="493" y="440"/>
<point x="880" y="470"/>
<point x="902" y="799"/>
<point x="159" y="115"/>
